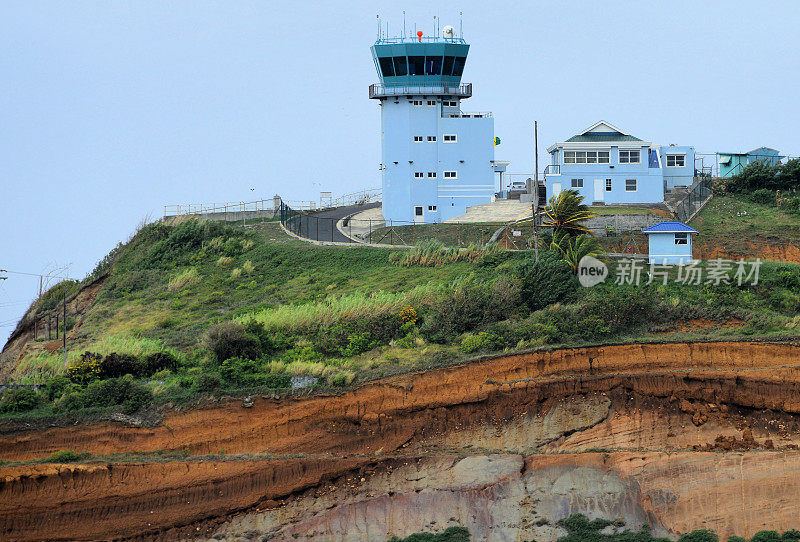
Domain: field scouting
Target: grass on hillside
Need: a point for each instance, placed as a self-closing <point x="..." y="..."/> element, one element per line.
<point x="348" y="314"/>
<point x="735" y="224"/>
<point x="456" y="235"/>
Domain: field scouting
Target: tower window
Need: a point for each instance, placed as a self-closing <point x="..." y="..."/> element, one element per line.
<point x="447" y="66"/>
<point x="400" y="66"/>
<point x="387" y="68"/>
<point x="450" y="138"/>
<point x="431" y="139"/>
<point x="431" y="207"/>
<point x="433" y="65"/>
<point x="416" y="102"/>
<point x="431" y="102"/>
<point x="431" y="174"/>
<point x="458" y="65"/>
<point x="450" y="175"/>
<point x="416" y="65"/>
<point x="418" y="139"/>
<point x="418" y="175"/>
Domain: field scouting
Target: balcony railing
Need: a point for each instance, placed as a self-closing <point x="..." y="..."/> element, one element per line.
<point x="552" y="169"/>
<point x="384" y="91"/>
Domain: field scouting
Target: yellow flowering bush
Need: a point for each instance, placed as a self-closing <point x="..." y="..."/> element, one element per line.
<point x="408" y="314"/>
<point x="86" y="368"/>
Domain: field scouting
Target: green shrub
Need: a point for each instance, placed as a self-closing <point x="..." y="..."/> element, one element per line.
<point x="700" y="535"/>
<point x="451" y="534"/>
<point x="158" y="361"/>
<point x="792" y="534"/>
<point x="56" y="387"/>
<point x="269" y="342"/>
<point x="115" y="365"/>
<point x="755" y="176"/>
<point x="482" y="342"/>
<point x="468" y="304"/>
<point x="231" y="340"/>
<point x="547" y="281"/>
<point x="116" y="391"/>
<point x="207" y="382"/>
<point x="19" y="400"/>
<point x="766" y="536"/>
<point x="357" y="343"/>
<point x="239" y="370"/>
<point x="763" y="196"/>
<point x="581" y="529"/>
<point x="68" y="456"/>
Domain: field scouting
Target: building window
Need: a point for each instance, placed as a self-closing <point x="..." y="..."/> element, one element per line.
<point x="676" y="160"/>
<point x="431" y="207"/>
<point x="447" y="103"/>
<point x="608" y="185"/>
<point x="586" y="157"/>
<point x="431" y="139"/>
<point x="450" y="175"/>
<point x="628" y="157"/>
<point x="418" y="139"/>
<point x="416" y="102"/>
<point x="630" y="185"/>
<point x="577" y="183"/>
<point x="681" y="238"/>
<point x="431" y="174"/>
<point x="418" y="175"/>
<point x="431" y="102"/>
<point x="450" y="138"/>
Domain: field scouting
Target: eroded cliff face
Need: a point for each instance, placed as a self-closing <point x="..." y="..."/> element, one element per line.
<point x="681" y="436"/>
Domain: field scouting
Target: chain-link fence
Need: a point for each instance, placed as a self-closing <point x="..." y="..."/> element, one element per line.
<point x="699" y="193"/>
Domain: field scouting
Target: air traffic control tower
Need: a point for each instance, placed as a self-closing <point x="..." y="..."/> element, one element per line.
<point x="436" y="160"/>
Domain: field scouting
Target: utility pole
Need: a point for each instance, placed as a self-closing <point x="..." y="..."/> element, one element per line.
<point x="64" y="291"/>
<point x="535" y="201"/>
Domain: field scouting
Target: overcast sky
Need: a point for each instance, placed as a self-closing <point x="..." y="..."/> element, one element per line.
<point x="110" y="110"/>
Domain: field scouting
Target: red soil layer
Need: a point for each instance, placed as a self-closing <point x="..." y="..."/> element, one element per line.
<point x="354" y="428"/>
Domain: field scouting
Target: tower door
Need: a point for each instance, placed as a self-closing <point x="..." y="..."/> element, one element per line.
<point x="599" y="189"/>
<point x="419" y="214"/>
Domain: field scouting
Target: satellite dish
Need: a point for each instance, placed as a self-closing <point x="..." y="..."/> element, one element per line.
<point x="448" y="32"/>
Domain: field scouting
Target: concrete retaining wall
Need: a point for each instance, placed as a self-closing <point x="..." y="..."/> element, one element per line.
<point x="622" y="223"/>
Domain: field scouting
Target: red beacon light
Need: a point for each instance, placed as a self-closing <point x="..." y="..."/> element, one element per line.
<point x="419" y="35"/>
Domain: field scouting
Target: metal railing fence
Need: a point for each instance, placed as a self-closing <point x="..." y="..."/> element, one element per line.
<point x="699" y="194"/>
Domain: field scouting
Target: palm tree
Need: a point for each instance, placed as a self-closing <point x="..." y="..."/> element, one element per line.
<point x="565" y="213"/>
<point x="573" y="249"/>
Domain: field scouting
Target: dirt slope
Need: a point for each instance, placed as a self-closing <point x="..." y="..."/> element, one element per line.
<point x="653" y="410"/>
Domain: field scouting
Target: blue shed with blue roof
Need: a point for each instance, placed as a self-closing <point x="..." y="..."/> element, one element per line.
<point x="670" y="243"/>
